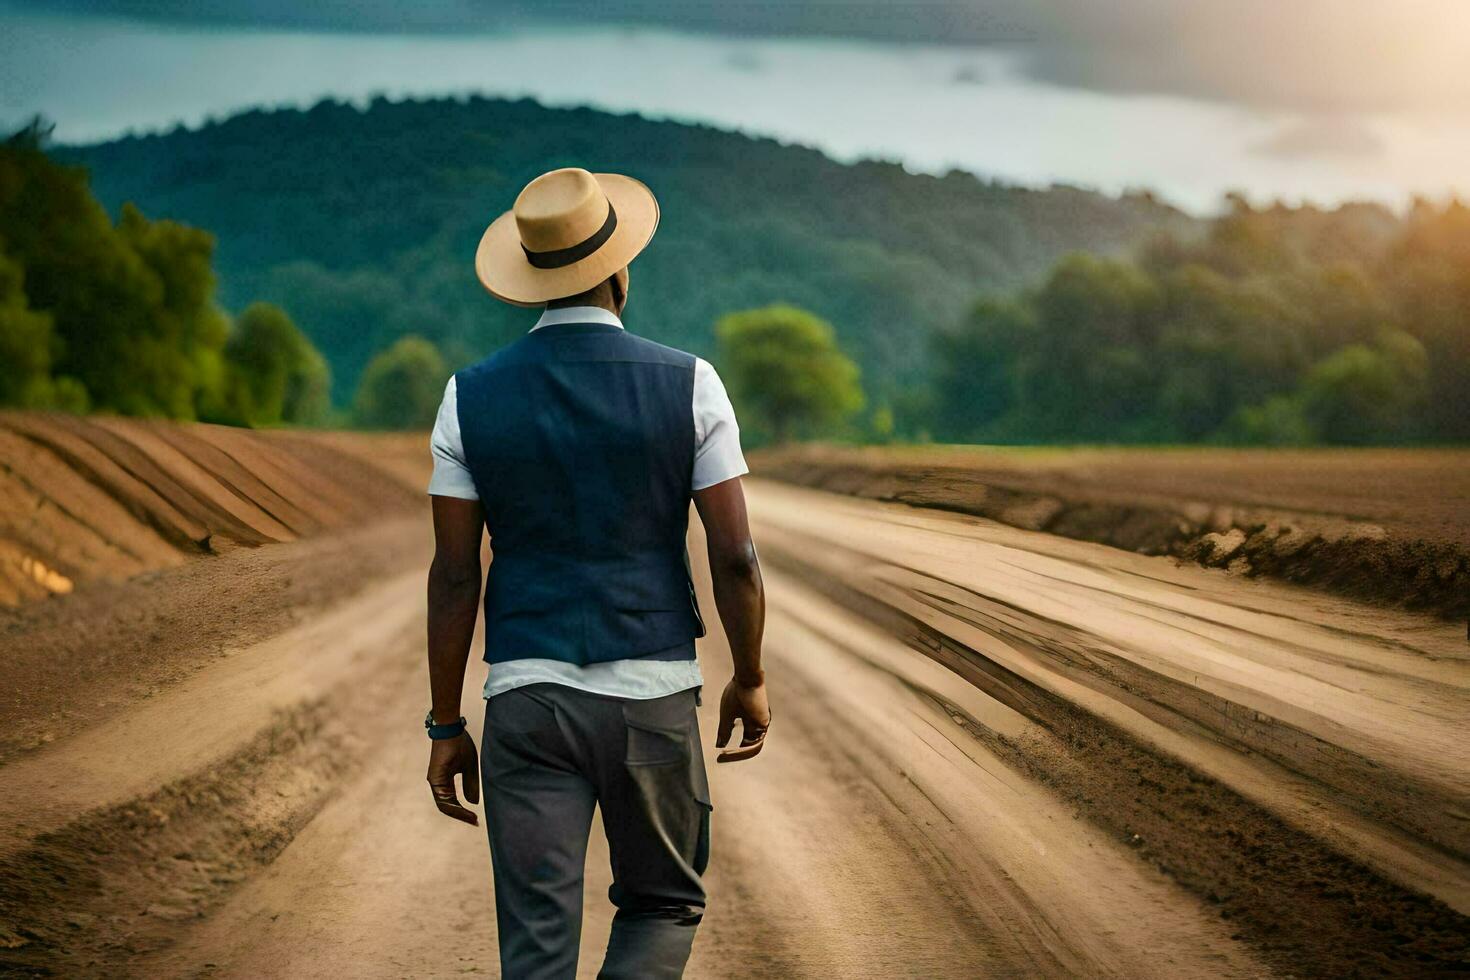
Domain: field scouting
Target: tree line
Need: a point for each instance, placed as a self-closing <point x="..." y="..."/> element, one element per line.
<point x="1279" y="325"/>
<point x="121" y="317"/>
<point x="360" y="220"/>
<point x="1276" y="326"/>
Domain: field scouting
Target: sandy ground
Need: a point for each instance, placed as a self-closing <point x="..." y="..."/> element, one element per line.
<point x="996" y="753"/>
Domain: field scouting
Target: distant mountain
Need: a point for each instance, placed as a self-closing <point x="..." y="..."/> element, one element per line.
<point x="363" y="223"/>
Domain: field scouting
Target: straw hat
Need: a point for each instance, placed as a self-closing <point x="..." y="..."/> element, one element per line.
<point x="569" y="230"/>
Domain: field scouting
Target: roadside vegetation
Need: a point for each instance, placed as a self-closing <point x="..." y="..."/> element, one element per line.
<point x="401" y="387"/>
<point x="783" y="367"/>
<point x="120" y="317"/>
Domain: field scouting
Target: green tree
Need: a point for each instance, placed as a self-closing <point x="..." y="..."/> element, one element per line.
<point x="401" y="387"/>
<point x="25" y="345"/>
<point x="131" y="305"/>
<point x="1278" y="421"/>
<point x="1428" y="274"/>
<point x="1363" y="394"/>
<point x="1089" y="372"/>
<point x="1281" y="326"/>
<point x="786" y="372"/>
<point x="174" y="360"/>
<point x="274" y="374"/>
<point x="972" y="369"/>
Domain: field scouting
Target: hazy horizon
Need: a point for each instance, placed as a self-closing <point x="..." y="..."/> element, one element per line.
<point x="982" y="107"/>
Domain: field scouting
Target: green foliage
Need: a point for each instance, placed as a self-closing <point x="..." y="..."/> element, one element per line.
<point x="1362" y="394"/>
<point x="974" y="382"/>
<point x="881" y="425"/>
<point x="1427" y="279"/>
<point x="1357" y="395"/>
<point x="25" y="345"/>
<point x="122" y="317"/>
<point x="401" y="387"/>
<point x="786" y="374"/>
<point x="276" y="376"/>
<point x="164" y="356"/>
<point x="1085" y="365"/>
<point x="1279" y="421"/>
<point x="1279" y="326"/>
<point x="363" y="223"/>
<point x="131" y="305"/>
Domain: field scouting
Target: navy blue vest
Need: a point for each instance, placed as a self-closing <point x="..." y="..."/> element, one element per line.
<point x="580" y="440"/>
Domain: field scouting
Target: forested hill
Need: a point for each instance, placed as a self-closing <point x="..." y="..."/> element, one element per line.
<point x="362" y="224"/>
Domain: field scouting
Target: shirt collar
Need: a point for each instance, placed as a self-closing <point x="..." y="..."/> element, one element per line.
<point x="578" y="314"/>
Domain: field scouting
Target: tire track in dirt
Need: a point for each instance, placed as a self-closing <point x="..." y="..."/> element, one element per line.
<point x="138" y="823"/>
<point x="72" y="661"/>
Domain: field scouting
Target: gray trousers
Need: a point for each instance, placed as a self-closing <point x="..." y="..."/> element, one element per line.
<point x="549" y="755"/>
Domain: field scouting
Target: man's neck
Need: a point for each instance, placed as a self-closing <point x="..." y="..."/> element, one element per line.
<point x="577" y="314"/>
<point x="566" y="304"/>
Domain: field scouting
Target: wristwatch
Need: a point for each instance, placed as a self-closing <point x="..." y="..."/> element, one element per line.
<point x="452" y="730"/>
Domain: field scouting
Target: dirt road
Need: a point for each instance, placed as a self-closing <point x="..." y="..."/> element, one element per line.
<point x="996" y="753"/>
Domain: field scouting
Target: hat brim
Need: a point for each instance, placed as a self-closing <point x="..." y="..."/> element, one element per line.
<point x="502" y="267"/>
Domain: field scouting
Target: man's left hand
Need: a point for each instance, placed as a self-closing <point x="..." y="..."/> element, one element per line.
<point x="748" y="705"/>
<point x="450" y="757"/>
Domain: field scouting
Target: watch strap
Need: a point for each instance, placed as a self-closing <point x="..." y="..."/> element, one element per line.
<point x="437" y="732"/>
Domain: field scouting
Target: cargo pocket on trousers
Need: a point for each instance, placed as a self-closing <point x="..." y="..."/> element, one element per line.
<point x="701" y="848"/>
<point x="700" y="780"/>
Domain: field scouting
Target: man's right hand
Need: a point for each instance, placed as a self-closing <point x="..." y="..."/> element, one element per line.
<point x="452" y="757"/>
<point x="748" y="705"/>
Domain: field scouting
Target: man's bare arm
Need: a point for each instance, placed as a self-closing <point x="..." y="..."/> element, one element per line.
<point x="454" y="601"/>
<point x="741" y="599"/>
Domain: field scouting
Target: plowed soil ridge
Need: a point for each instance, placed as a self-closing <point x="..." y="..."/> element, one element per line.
<point x="1386" y="526"/>
<point x="84" y="499"/>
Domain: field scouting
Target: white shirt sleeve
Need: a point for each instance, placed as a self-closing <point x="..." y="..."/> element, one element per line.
<point x="451" y="474"/>
<point x="717" y="455"/>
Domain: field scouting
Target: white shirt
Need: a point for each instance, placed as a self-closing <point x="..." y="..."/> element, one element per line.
<point x="717" y="458"/>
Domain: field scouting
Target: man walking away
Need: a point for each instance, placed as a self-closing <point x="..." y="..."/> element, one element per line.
<point x="578" y="448"/>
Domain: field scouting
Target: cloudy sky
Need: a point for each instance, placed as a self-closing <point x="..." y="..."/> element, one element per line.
<point x="1322" y="99"/>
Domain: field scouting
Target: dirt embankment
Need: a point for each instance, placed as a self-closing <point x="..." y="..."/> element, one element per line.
<point x="1383" y="525"/>
<point x="105" y="515"/>
<point x="87" y="499"/>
